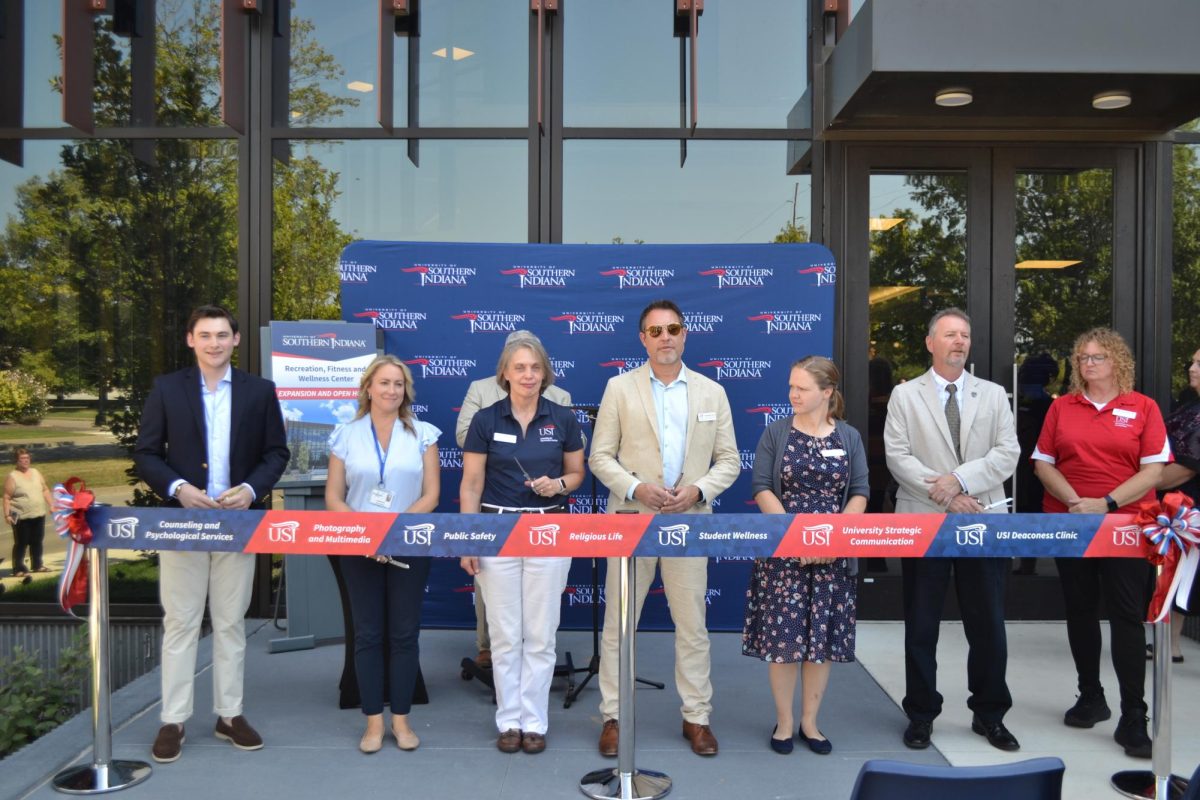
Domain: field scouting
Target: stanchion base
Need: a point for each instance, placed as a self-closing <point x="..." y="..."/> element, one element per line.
<point x="1142" y="783"/>
<point x="93" y="779"/>
<point x="641" y="784"/>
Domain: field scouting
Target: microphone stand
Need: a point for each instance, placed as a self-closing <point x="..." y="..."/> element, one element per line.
<point x="593" y="667"/>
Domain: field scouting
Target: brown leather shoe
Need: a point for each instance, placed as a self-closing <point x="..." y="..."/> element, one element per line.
<point x="509" y="741"/>
<point x="608" y="738"/>
<point x="701" y="737"/>
<point x="168" y="744"/>
<point x="484" y="659"/>
<point x="533" y="742"/>
<point x="238" y="733"/>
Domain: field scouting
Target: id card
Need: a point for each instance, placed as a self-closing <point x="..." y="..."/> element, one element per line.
<point x="381" y="497"/>
<point x="834" y="453"/>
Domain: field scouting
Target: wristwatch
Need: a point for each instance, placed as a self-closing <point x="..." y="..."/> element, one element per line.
<point x="563" y="484"/>
<point x="1112" y="504"/>
<point x="179" y="489"/>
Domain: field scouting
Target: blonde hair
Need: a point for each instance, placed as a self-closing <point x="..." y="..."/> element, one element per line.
<point x="410" y="394"/>
<point x="1115" y="347"/>
<point x="533" y="345"/>
<point x="827" y="376"/>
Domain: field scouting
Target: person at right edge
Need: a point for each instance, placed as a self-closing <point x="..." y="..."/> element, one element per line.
<point x="664" y="444"/>
<point x="1101" y="451"/>
<point x="951" y="442"/>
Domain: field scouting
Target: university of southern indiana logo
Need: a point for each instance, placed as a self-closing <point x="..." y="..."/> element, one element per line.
<point x="970" y="535"/>
<point x="640" y="277"/>
<point x="771" y="412"/>
<point x="816" y="535"/>
<point x="739" y="277"/>
<point x="440" y="274"/>
<point x="826" y="274"/>
<point x="393" y="319"/>
<point x="1126" y="535"/>
<point x="543" y="535"/>
<point x="419" y="535"/>
<point x="787" y="321"/>
<point x="737" y="368"/>
<point x="623" y="365"/>
<point x="589" y="322"/>
<point x="490" y="321"/>
<point x="282" y="532"/>
<point x="540" y="277"/>
<point x="673" y="535"/>
<point x="440" y="366"/>
<point x="351" y="271"/>
<point x="122" y="528"/>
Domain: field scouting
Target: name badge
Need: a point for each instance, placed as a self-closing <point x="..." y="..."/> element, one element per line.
<point x="706" y="416"/>
<point x="381" y="497"/>
<point x="1121" y="412"/>
<point x="509" y="438"/>
<point x="835" y="453"/>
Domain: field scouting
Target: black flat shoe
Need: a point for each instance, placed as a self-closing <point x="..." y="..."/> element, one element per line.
<point x="917" y="734"/>
<point x="1176" y="659"/>
<point x="821" y="747"/>
<point x="781" y="746"/>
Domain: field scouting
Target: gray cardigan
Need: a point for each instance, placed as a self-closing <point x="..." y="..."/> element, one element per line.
<point x="768" y="463"/>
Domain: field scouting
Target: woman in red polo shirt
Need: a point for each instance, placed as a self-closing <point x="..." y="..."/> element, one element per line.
<point x="1101" y="450"/>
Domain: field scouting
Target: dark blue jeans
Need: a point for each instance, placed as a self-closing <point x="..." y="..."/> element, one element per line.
<point x="386" y="598"/>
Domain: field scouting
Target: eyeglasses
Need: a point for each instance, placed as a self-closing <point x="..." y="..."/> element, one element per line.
<point x="1092" y="358"/>
<point x="655" y="331"/>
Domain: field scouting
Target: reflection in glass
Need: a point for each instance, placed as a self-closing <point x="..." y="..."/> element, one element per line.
<point x="636" y="191"/>
<point x="463" y="191"/>
<point x="104" y="255"/>
<point x="621" y="63"/>
<point x="43" y="103"/>
<point x="1185" y="282"/>
<point x="473" y="63"/>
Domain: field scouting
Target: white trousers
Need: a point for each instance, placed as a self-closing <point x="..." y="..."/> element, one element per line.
<point x="185" y="579"/>
<point x="523" y="598"/>
<point x="685" y="581"/>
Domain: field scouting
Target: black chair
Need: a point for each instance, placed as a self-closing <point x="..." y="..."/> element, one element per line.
<point x="1035" y="779"/>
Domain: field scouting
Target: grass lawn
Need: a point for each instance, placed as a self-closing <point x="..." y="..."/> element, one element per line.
<point x="88" y="414"/>
<point x="96" y="473"/>
<point x="33" y="433"/>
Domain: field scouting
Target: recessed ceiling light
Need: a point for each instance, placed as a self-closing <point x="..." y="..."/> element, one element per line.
<point x="876" y="224"/>
<point x="952" y="98"/>
<point x="1107" y="101"/>
<point x="360" y="86"/>
<point x="1046" y="264"/>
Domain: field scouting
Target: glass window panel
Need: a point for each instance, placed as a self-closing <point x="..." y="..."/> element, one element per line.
<point x="106" y="249"/>
<point x="43" y="102"/>
<point x="622" y="63"/>
<point x="1185" y="283"/>
<point x="463" y="191"/>
<point x="474" y="59"/>
<point x="188" y="62"/>
<point x="636" y="191"/>
<point x="918" y="230"/>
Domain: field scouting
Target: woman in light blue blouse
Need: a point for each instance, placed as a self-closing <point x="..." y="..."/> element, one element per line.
<point x="385" y="461"/>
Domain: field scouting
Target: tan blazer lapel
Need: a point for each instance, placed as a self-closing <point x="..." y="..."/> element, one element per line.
<point x="646" y="397"/>
<point x="937" y="412"/>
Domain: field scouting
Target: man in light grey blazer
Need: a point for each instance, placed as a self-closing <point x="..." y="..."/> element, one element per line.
<point x="481" y="394"/>
<point x="951" y="442"/>
<point x="664" y="444"/>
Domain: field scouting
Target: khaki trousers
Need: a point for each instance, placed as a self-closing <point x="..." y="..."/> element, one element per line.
<point x="185" y="579"/>
<point x="686" y="583"/>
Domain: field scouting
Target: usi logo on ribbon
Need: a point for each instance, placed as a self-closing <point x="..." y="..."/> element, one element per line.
<point x="673" y="536"/>
<point x="816" y="535"/>
<point x="1126" y="535"/>
<point x="282" y="532"/>
<point x="418" y="535"/>
<point x="543" y="535"/>
<point x="970" y="535"/>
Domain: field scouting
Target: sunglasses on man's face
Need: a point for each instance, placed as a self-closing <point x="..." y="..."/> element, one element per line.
<point x="655" y="331"/>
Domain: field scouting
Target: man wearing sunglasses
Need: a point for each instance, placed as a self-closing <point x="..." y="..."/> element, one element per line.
<point x="664" y="444"/>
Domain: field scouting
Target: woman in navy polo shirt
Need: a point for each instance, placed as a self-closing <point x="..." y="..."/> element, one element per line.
<point x="1102" y="450"/>
<point x="523" y="455"/>
<point x="386" y="460"/>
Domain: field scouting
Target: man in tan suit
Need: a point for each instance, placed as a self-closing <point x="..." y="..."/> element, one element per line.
<point x="664" y="444"/>
<point x="481" y="394"/>
<point x="951" y="442"/>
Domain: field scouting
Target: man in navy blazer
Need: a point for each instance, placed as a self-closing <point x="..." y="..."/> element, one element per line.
<point x="211" y="437"/>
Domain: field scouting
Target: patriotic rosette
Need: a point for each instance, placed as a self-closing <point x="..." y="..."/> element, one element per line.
<point x="1173" y="530"/>
<point x="71" y="502"/>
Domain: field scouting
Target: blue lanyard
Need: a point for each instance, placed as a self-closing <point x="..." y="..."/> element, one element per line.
<point x="379" y="453"/>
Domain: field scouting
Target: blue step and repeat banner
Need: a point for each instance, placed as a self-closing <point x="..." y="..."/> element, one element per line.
<point x="446" y="308"/>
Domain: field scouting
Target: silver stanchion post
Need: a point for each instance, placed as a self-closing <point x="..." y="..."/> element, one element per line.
<point x="103" y="774"/>
<point x="1157" y="783"/>
<point x="626" y="781"/>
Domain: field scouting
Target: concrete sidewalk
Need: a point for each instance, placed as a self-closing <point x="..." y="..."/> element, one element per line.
<point x="312" y="745"/>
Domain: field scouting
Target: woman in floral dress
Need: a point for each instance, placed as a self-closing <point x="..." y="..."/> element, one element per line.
<point x="800" y="612"/>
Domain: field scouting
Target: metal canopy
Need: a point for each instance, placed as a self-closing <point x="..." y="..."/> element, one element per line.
<point x="1029" y="64"/>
